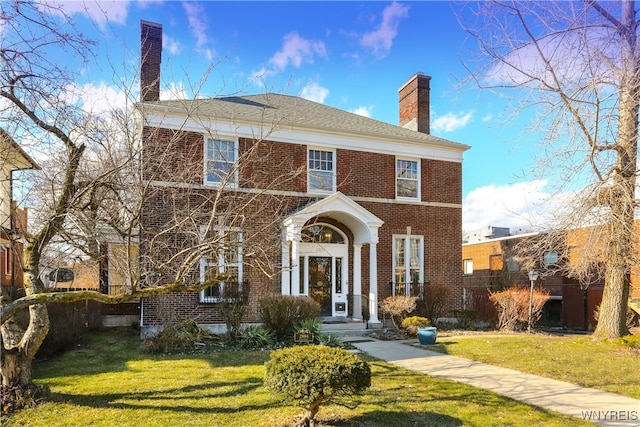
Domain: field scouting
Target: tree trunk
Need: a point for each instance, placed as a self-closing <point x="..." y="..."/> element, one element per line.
<point x="310" y="413"/>
<point x="621" y="201"/>
<point x="612" y="317"/>
<point x="21" y="346"/>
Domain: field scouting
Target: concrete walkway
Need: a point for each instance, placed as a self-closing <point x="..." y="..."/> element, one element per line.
<point x="600" y="407"/>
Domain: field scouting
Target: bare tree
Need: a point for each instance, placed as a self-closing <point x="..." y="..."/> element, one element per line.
<point x="577" y="66"/>
<point x="98" y="177"/>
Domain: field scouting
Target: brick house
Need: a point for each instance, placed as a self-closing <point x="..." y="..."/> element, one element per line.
<point x="13" y="220"/>
<point x="490" y="263"/>
<point x="349" y="210"/>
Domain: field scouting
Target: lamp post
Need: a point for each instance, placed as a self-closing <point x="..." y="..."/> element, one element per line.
<point x="533" y="276"/>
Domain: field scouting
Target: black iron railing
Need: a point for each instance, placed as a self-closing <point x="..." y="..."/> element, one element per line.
<point x="226" y="292"/>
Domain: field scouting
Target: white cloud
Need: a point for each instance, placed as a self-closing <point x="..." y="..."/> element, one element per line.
<point x="364" y="110"/>
<point x="198" y="28"/>
<point x="296" y="50"/>
<point x="523" y="205"/>
<point x="451" y="121"/>
<point x="100" y="12"/>
<point x="97" y="99"/>
<point x="173" y="46"/>
<point x="314" y="92"/>
<point x="380" y="40"/>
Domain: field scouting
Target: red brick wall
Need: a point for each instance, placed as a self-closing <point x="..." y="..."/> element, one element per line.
<point x="273" y="165"/>
<point x="441" y="181"/>
<point x="366" y="174"/>
<point x="441" y="229"/>
<point x="282" y="167"/>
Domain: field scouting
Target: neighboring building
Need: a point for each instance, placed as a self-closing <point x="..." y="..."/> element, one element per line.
<point x="364" y="208"/>
<point x="491" y="264"/>
<point x="13" y="220"/>
<point x="119" y="268"/>
<point x="486" y="233"/>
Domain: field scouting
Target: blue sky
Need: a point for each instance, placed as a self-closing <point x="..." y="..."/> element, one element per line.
<point x="351" y="55"/>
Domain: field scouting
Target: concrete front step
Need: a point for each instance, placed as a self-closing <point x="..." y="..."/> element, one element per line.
<point x="345" y="328"/>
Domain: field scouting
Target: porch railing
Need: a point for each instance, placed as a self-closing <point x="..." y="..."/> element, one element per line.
<point x="413" y="289"/>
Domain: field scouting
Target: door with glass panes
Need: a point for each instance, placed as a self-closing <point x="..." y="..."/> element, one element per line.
<point x="323" y="264"/>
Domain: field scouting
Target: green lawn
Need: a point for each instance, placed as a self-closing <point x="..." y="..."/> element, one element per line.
<point x="109" y="383"/>
<point x="606" y="365"/>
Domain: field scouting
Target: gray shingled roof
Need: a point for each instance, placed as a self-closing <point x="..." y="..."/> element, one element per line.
<point x="285" y="110"/>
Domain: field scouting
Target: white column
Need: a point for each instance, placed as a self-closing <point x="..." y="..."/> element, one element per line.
<point x="295" y="267"/>
<point x="285" y="282"/>
<point x="357" y="282"/>
<point x="373" y="284"/>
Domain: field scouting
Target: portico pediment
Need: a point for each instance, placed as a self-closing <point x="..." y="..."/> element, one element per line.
<point x="363" y="224"/>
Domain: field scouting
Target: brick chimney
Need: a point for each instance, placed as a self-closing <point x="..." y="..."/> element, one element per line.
<point x="414" y="103"/>
<point x="150" y="58"/>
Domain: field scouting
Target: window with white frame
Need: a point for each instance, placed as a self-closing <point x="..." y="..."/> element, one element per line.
<point x="408" y="268"/>
<point x="467" y="266"/>
<point x="407" y="179"/>
<point x="223" y="258"/>
<point x="321" y="171"/>
<point x="220" y="160"/>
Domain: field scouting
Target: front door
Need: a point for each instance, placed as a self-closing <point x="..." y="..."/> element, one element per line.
<point x="320" y="282"/>
<point x="323" y="256"/>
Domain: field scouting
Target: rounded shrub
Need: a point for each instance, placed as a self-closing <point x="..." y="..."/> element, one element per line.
<point x="311" y="375"/>
<point x="411" y="324"/>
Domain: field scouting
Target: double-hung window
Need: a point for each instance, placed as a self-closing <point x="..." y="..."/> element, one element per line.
<point x="408" y="265"/>
<point x="407" y="179"/>
<point x="223" y="257"/>
<point x="321" y="171"/>
<point x="220" y="162"/>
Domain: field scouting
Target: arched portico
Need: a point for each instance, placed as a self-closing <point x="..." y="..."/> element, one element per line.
<point x="364" y="227"/>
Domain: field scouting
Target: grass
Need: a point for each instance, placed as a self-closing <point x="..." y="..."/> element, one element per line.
<point x="606" y="365"/>
<point x="108" y="382"/>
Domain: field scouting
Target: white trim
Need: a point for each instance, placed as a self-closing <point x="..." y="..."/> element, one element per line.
<point x="418" y="178"/>
<point x="363" y="225"/>
<point x="185" y="185"/>
<point x="227" y="181"/>
<point x="333" y="251"/>
<point x="333" y="171"/>
<point x="407" y="258"/>
<point x="440" y="149"/>
<point x="360" y="221"/>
